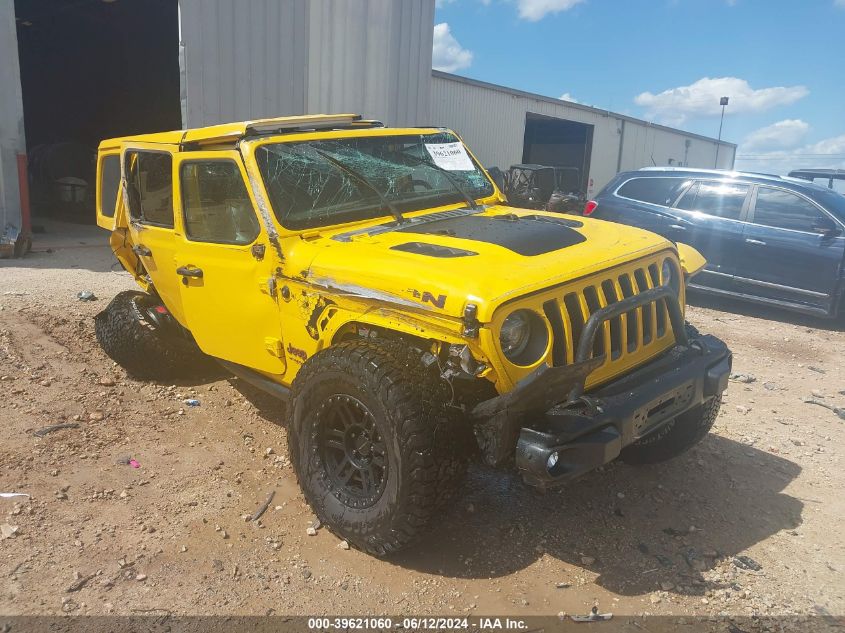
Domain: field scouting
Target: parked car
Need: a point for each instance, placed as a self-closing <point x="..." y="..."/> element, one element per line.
<point x="376" y="281"/>
<point x="767" y="239"/>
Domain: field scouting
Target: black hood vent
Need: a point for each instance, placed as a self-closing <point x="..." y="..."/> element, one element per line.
<point x="526" y="235"/>
<point x="432" y="250"/>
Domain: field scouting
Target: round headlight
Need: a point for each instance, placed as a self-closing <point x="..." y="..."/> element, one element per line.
<point x="669" y="275"/>
<point x="523" y="337"/>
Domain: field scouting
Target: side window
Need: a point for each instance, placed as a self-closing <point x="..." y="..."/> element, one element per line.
<point x="109" y="184"/>
<point x="215" y="203"/>
<point x="661" y="191"/>
<point x="786" y="210"/>
<point x="721" y="199"/>
<point x="149" y="183"/>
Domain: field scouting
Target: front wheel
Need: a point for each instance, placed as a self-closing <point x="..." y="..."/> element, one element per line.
<point x="675" y="437"/>
<point x="372" y="445"/>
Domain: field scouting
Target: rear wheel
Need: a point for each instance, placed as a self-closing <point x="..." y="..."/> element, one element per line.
<point x="130" y="336"/>
<point x="675" y="437"/>
<point x="374" y="449"/>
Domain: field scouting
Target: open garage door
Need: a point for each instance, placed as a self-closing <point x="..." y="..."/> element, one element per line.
<point x="559" y="143"/>
<point x="91" y="69"/>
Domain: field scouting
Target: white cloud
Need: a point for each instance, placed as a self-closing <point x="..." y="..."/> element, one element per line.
<point x="568" y="97"/>
<point x="827" y="153"/>
<point x="447" y="54"/>
<point x="534" y="10"/>
<point x="701" y="98"/>
<point x="781" y="135"/>
<point x="839" y="3"/>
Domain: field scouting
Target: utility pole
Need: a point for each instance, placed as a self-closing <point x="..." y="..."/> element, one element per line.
<point x="722" y="102"/>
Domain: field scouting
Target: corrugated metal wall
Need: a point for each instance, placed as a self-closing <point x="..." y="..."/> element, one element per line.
<point x="245" y="59"/>
<point x="491" y="119"/>
<point x="11" y="119"/>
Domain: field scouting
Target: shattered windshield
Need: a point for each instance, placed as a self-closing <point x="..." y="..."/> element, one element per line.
<point x="308" y="190"/>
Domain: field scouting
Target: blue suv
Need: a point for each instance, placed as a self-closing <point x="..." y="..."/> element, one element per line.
<point x="767" y="239"/>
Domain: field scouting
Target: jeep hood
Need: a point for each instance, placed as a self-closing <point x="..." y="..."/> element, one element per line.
<point x="444" y="260"/>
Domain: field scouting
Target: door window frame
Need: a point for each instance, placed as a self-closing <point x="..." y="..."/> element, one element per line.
<point x="193" y="158"/>
<point x="753" y="207"/>
<point x="124" y="179"/>
<point x="743" y="212"/>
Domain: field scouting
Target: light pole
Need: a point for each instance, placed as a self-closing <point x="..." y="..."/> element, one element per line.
<point x="722" y="102"/>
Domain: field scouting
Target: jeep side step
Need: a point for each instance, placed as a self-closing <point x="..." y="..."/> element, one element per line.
<point x="257" y="380"/>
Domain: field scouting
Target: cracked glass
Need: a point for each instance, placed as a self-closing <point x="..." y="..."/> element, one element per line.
<point x="307" y="190"/>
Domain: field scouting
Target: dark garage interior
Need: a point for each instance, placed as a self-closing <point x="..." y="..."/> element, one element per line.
<point x="91" y="69"/>
<point x="559" y="143"/>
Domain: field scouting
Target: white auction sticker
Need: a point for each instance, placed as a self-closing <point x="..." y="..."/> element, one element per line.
<point x="451" y="156"/>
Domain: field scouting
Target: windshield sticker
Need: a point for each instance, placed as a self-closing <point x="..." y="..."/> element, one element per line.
<point x="450" y="156"/>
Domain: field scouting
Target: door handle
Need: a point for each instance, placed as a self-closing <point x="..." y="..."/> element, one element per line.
<point x="186" y="271"/>
<point x="748" y="240"/>
<point x="142" y="251"/>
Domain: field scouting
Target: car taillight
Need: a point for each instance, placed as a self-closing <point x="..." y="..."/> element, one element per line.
<point x="591" y="206"/>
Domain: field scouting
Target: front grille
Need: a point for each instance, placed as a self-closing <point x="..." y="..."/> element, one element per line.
<point x="639" y="332"/>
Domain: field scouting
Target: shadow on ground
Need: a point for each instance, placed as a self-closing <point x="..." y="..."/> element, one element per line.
<point x="634" y="523"/>
<point x="758" y="311"/>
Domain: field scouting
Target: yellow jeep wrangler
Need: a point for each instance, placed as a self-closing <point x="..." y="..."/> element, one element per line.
<point x="377" y="281"/>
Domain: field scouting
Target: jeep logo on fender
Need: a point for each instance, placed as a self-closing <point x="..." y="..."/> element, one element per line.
<point x="426" y="297"/>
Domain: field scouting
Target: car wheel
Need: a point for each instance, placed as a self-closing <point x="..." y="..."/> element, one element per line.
<point x="372" y="444"/>
<point x="675" y="437"/>
<point x="131" y="338"/>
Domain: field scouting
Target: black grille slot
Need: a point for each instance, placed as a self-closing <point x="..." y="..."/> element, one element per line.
<point x="610" y="298"/>
<point x="576" y="319"/>
<point x="660" y="305"/>
<point x="593" y="306"/>
<point x="552" y="311"/>
<point x="632" y="320"/>
<point x="648" y="324"/>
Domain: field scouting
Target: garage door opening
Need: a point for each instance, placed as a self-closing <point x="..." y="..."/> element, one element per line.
<point x="91" y="69"/>
<point x="560" y="143"/>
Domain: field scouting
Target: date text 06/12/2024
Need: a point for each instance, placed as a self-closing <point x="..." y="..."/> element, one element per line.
<point x="415" y="623"/>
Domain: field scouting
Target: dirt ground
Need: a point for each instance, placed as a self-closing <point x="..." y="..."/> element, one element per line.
<point x="766" y="486"/>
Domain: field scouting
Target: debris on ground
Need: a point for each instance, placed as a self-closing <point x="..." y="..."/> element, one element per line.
<point x="744" y="378"/>
<point x="343" y="545"/>
<point x="80" y="582"/>
<point x="129" y="461"/>
<point x="86" y="295"/>
<point x="257" y="514"/>
<point x="311" y="531"/>
<point x="11" y="495"/>
<point x="747" y="563"/>
<point x="562" y="585"/>
<point x="839" y="411"/>
<point x="8" y="531"/>
<point x="191" y="402"/>
<point x="818" y="370"/>
<point x="594" y="616"/>
<point x="55" y="427"/>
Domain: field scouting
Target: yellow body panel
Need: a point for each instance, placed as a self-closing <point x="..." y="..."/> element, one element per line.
<point x="309" y="289"/>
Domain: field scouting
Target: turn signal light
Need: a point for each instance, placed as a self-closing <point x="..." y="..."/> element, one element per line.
<point x="591" y="206"/>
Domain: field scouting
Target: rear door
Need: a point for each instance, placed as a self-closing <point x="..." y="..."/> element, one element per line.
<point x="792" y="249"/>
<point x="224" y="264"/>
<point x="711" y="214"/>
<point x="147" y="176"/>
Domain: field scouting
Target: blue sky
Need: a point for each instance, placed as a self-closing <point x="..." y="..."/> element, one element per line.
<point x="781" y="62"/>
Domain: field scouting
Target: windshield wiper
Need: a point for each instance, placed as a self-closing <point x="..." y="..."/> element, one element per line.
<point x="351" y="172"/>
<point x="449" y="176"/>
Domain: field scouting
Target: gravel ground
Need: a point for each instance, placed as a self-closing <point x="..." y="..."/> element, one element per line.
<point x="748" y="523"/>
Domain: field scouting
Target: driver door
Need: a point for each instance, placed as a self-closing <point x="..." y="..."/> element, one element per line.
<point x="225" y="264"/>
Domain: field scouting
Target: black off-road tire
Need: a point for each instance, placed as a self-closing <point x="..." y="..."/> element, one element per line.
<point x="132" y="340"/>
<point x="425" y="447"/>
<point x="674" y="438"/>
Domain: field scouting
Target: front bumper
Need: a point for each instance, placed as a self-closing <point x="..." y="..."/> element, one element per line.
<point x="547" y="413"/>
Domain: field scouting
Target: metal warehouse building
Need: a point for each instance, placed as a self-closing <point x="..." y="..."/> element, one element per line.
<point x="75" y="72"/>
